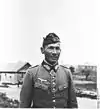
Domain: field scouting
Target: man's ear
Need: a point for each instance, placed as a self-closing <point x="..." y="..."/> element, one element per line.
<point x="42" y="50"/>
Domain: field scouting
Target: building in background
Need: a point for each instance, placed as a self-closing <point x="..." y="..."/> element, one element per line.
<point x="13" y="72"/>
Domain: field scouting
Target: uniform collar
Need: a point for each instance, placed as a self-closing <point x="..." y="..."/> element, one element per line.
<point x="50" y="67"/>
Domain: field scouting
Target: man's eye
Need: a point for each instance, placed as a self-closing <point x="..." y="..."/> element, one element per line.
<point x="51" y="47"/>
<point x="57" y="48"/>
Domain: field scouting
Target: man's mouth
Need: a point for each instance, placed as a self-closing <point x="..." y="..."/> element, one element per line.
<point x="54" y="57"/>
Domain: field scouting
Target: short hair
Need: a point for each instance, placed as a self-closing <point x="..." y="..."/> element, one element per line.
<point x="50" y="39"/>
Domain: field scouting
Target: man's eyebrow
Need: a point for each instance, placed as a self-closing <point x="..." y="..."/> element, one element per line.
<point x="54" y="47"/>
<point x="51" y="46"/>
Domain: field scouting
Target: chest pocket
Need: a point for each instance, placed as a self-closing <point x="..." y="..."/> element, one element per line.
<point x="63" y="87"/>
<point x="62" y="91"/>
<point x="42" y="84"/>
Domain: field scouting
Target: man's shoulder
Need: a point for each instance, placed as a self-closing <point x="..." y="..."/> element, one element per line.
<point x="31" y="68"/>
<point x="66" y="69"/>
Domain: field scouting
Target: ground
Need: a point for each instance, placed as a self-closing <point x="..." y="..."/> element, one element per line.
<point x="83" y="103"/>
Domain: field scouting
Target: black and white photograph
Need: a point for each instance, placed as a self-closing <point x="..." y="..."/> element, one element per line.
<point x="49" y="54"/>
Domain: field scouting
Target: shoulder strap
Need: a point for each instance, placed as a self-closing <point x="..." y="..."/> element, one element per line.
<point x="67" y="71"/>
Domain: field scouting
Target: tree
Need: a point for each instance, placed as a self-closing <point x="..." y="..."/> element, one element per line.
<point x="72" y="69"/>
<point x="86" y="71"/>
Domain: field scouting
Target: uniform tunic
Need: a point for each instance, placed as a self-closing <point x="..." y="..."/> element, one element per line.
<point x="44" y="87"/>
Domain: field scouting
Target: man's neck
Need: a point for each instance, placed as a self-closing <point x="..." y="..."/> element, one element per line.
<point x="50" y="63"/>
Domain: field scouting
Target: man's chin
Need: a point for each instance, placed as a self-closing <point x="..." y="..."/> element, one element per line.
<point x="54" y="61"/>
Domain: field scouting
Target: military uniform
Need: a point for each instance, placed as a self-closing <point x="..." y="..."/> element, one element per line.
<point x="48" y="87"/>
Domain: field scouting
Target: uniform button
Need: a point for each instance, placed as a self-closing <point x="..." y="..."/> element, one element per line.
<point x="53" y="77"/>
<point x="53" y="89"/>
<point x="53" y="84"/>
<point x="54" y="101"/>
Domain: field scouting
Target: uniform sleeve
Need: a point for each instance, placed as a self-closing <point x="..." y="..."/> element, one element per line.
<point x="26" y="91"/>
<point x="72" y="101"/>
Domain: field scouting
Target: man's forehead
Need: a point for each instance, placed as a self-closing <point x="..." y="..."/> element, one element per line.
<point x="54" y="44"/>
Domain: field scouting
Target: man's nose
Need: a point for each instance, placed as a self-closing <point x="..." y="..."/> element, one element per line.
<point x="54" y="51"/>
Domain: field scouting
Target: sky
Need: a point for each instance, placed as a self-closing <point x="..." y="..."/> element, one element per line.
<point x="24" y="23"/>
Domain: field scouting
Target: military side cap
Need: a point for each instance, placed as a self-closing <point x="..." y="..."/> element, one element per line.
<point x="50" y="39"/>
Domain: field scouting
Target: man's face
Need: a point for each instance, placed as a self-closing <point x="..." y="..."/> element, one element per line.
<point x="52" y="52"/>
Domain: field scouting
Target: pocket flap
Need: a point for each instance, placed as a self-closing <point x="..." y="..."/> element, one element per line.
<point x="41" y="86"/>
<point x="64" y="86"/>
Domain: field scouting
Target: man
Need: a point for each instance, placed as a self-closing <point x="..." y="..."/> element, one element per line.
<point x="48" y="85"/>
